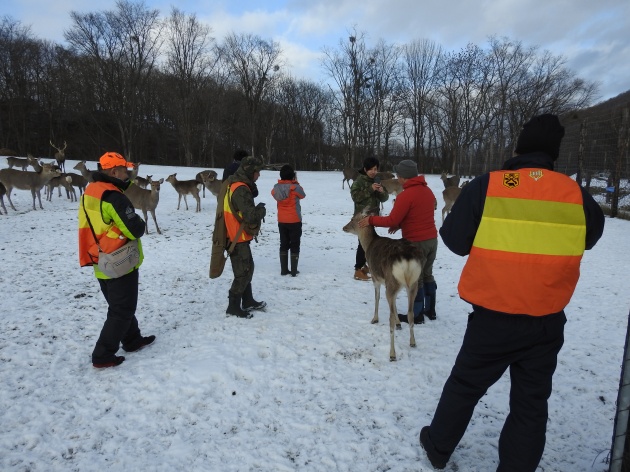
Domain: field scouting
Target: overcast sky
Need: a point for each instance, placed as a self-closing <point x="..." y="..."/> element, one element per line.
<point x="594" y="37"/>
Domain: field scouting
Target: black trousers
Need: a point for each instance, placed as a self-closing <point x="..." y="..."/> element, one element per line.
<point x="360" y="258"/>
<point x="526" y="345"/>
<point x="290" y="235"/>
<point x="121" y="324"/>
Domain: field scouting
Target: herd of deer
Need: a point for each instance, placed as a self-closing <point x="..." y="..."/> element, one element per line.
<point x="144" y="195"/>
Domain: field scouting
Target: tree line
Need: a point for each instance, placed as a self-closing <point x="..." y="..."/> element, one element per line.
<point x="164" y="91"/>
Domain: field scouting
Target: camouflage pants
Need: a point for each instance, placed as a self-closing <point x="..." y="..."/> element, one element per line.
<point x="242" y="266"/>
<point x="429" y="249"/>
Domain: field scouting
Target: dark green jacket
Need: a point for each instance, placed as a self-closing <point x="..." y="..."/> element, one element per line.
<point x="364" y="196"/>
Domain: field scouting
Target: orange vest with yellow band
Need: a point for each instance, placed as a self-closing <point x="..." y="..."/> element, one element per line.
<point x="525" y="258"/>
<point x="231" y="223"/>
<point x="108" y="234"/>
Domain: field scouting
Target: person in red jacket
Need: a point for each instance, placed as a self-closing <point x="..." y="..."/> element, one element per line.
<point x="288" y="193"/>
<point x="414" y="214"/>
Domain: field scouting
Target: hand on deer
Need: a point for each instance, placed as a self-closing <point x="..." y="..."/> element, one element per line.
<point x="364" y="222"/>
<point x="393" y="229"/>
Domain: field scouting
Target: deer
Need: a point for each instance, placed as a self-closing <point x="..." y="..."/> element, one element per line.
<point x="208" y="173"/>
<point x="60" y="155"/>
<point x="65" y="181"/>
<point x="24" y="180"/>
<point x="384" y="175"/>
<point x="142" y="182"/>
<point x="3" y="192"/>
<point x="450" y="181"/>
<point x="18" y="162"/>
<point x="397" y="264"/>
<point x="85" y="172"/>
<point x="393" y="186"/>
<point x="449" y="194"/>
<point x="133" y="173"/>
<point x="146" y="200"/>
<point x="183" y="188"/>
<point x="348" y="175"/>
<point x="212" y="183"/>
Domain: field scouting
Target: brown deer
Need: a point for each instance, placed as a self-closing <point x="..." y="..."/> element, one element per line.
<point x="142" y="182"/>
<point x="449" y="194"/>
<point x="208" y="173"/>
<point x="60" y="155"/>
<point x="384" y="175"/>
<point x="212" y="183"/>
<point x="450" y="181"/>
<point x="23" y="180"/>
<point x="85" y="172"/>
<point x="146" y="200"/>
<point x="18" y="162"/>
<point x="65" y="181"/>
<point x="183" y="188"/>
<point x="348" y="175"/>
<point x="397" y="263"/>
<point x="393" y="186"/>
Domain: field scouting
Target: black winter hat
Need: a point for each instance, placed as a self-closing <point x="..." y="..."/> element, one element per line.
<point x="287" y="172"/>
<point x="543" y="133"/>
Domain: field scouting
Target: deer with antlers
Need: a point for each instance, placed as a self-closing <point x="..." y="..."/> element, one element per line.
<point x="397" y="264"/>
<point x="60" y="156"/>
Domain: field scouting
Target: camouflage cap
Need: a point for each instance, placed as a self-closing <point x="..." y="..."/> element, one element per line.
<point x="251" y="164"/>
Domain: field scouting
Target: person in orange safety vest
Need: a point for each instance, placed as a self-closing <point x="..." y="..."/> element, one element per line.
<point x="524" y="229"/>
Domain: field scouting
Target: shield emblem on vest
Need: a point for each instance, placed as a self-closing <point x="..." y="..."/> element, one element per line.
<point x="536" y="174"/>
<point x="511" y="179"/>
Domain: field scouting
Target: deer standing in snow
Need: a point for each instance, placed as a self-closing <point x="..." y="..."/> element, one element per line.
<point x="183" y="188"/>
<point x="60" y="155"/>
<point x="397" y="263"/>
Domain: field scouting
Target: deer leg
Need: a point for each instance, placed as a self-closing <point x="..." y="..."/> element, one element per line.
<point x="179" y="200"/>
<point x="146" y="221"/>
<point x="155" y="221"/>
<point x="186" y="201"/>
<point x="9" y="189"/>
<point x="411" y="296"/>
<point x="393" y="317"/>
<point x="198" y="203"/>
<point x="377" y="296"/>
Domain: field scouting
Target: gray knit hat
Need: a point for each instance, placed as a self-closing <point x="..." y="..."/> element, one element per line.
<point x="407" y="169"/>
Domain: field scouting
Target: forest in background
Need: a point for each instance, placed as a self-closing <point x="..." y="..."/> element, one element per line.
<point x="161" y="90"/>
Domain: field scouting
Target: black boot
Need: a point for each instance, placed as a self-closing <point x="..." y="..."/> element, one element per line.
<point x="249" y="304"/>
<point x="294" y="264"/>
<point x="284" y="263"/>
<point x="234" y="306"/>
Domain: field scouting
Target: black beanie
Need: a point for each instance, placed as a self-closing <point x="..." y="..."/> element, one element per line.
<point x="543" y="133"/>
<point x="286" y="172"/>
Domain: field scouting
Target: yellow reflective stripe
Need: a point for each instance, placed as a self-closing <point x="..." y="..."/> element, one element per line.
<point x="534" y="210"/>
<point x="532" y="232"/>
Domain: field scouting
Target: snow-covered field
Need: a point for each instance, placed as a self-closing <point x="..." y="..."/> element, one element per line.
<point x="305" y="386"/>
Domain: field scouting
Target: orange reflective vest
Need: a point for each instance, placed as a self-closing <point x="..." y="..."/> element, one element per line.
<point x="108" y="234"/>
<point x="525" y="258"/>
<point x="231" y="222"/>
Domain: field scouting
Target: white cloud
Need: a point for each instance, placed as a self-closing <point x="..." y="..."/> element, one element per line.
<point x="592" y="36"/>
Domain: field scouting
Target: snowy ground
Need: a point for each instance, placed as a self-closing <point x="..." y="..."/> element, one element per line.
<point x="305" y="386"/>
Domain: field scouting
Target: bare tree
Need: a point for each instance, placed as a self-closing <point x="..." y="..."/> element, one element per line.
<point x="349" y="67"/>
<point x="421" y="62"/>
<point x="255" y="63"/>
<point x="122" y="46"/>
<point x="189" y="63"/>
